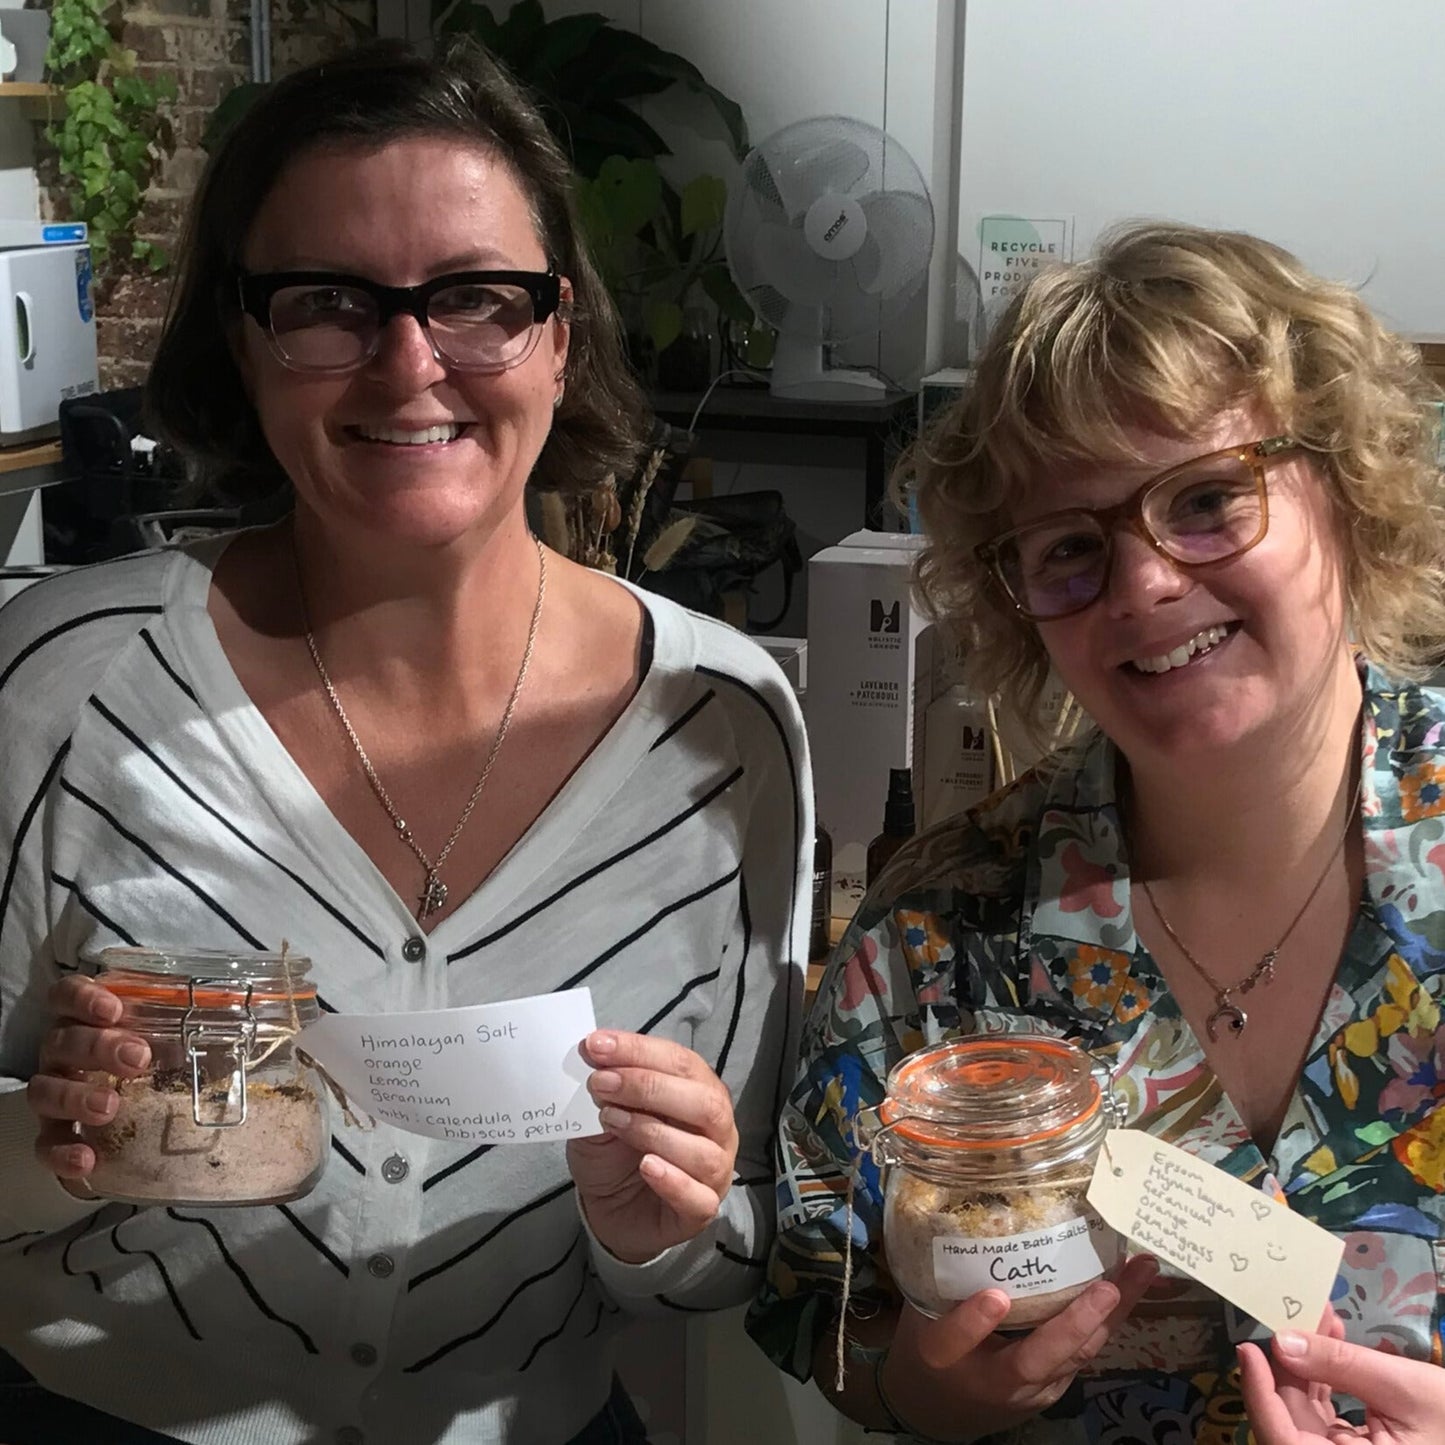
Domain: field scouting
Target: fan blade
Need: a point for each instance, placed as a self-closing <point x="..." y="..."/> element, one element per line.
<point x="790" y="265"/>
<point x="899" y="243"/>
<point x="759" y="183"/>
<point x="802" y="176"/>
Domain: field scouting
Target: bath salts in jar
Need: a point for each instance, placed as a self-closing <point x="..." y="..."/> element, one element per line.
<point x="227" y="1113"/>
<point x="989" y="1144"/>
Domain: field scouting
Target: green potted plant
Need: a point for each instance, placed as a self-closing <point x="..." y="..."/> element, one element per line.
<point x="110" y="134"/>
<point x="660" y="248"/>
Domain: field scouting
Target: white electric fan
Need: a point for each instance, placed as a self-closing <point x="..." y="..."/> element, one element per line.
<point x="828" y="232"/>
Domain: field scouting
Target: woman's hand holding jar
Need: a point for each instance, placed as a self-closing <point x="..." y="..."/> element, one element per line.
<point x="84" y="1040"/>
<point x="962" y="1381"/>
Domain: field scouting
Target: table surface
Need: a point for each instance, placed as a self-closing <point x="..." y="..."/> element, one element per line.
<point x="34" y="454"/>
<point x="758" y="404"/>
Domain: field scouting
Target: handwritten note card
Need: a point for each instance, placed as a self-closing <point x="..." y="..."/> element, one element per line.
<point x="500" y="1073"/>
<point x="1255" y="1252"/>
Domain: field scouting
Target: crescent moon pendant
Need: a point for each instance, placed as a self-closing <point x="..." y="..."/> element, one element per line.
<point x="1233" y="1018"/>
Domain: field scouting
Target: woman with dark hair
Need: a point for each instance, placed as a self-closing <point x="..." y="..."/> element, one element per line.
<point x="397" y="734"/>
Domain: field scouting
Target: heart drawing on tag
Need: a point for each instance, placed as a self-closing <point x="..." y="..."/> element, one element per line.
<point x="1291" y="1307"/>
<point x="1261" y="1209"/>
<point x="1239" y="1262"/>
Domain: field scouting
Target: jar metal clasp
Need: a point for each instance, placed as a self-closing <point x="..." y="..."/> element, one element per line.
<point x="205" y="1039"/>
<point x="874" y="1135"/>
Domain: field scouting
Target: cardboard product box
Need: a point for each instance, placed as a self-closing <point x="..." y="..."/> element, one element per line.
<point x="791" y="654"/>
<point x="863" y="631"/>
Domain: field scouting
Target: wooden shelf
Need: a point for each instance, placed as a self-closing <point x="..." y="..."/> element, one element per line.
<point x="37" y="100"/>
<point x="38" y="454"/>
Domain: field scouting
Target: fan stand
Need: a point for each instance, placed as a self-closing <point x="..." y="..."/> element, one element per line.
<point x="799" y="372"/>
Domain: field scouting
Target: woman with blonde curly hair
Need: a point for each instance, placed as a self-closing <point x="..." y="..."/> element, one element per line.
<point x="1197" y="483"/>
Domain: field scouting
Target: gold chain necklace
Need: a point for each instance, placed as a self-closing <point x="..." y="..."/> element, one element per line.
<point x="1225" y="1011"/>
<point x="434" y="891"/>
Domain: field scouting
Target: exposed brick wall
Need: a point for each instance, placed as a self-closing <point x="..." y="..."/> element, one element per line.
<point x="206" y="45"/>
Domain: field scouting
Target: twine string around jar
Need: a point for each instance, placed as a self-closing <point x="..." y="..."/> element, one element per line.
<point x="849" y="1217"/>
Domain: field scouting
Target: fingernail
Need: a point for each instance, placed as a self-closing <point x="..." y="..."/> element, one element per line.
<point x="996" y="1304"/>
<point x="134" y="1056"/>
<point x="101" y="1101"/>
<point x="652" y="1167"/>
<point x="108" y="1009"/>
<point x="1287" y="1342"/>
<point x="1106" y="1295"/>
<point x="606" y="1082"/>
<point x="614" y="1118"/>
<point x="602" y="1043"/>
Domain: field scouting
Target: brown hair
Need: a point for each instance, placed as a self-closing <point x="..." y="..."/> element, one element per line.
<point x="1168" y="326"/>
<point x="370" y="97"/>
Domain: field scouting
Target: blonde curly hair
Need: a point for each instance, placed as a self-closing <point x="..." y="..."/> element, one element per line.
<point x="1167" y="327"/>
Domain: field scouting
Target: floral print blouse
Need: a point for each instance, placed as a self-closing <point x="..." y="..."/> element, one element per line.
<point x="1017" y="916"/>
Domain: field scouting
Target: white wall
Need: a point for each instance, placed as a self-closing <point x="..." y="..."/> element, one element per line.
<point x="1314" y="123"/>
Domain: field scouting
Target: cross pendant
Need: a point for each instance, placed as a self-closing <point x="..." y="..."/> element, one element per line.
<point x="434" y="895"/>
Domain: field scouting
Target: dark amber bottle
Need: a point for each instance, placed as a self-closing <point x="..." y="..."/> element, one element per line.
<point x="899" y="823"/>
<point x="819" y="943"/>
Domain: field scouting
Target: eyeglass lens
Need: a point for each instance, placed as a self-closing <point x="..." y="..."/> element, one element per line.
<point x="1204" y="513"/>
<point x="329" y="328"/>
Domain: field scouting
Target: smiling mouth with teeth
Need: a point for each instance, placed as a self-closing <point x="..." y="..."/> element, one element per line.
<point x="426" y="436"/>
<point x="1197" y="646"/>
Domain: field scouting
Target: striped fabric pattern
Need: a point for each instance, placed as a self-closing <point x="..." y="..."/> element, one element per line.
<point x="425" y="1290"/>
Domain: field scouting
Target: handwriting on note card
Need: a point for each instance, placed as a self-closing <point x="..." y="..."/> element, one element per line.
<point x="502" y="1073"/>
<point x="1258" y="1254"/>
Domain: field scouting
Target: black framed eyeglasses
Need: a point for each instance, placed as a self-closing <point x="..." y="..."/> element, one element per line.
<point x="330" y="322"/>
<point x="1201" y="512"/>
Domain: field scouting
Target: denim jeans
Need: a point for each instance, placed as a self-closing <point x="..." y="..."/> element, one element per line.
<point x="32" y="1415"/>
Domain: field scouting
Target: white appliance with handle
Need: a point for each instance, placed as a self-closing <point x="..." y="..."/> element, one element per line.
<point x="47" y="326"/>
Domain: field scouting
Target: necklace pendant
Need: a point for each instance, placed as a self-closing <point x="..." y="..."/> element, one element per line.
<point x="1234" y="1019"/>
<point x="434" y="895"/>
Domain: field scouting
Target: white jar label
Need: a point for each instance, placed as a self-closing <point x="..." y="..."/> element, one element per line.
<point x="1044" y="1260"/>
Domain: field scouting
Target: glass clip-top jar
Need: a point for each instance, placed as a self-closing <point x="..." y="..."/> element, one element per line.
<point x="227" y="1113"/>
<point x="989" y="1144"/>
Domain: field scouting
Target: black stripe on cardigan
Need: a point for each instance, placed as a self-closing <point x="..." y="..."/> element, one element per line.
<point x="160" y="657"/>
<point x="134" y="738"/>
<point x="785" y="1068"/>
<point x="491" y="1234"/>
<point x="23" y="827"/>
<point x="442" y="1351"/>
<point x="645" y="928"/>
<point x="159" y="1263"/>
<point x="144" y="847"/>
<point x="252" y="1292"/>
<point x="683" y="721"/>
<point x="82" y="621"/>
<point x="95" y="911"/>
<point x="716" y="791"/>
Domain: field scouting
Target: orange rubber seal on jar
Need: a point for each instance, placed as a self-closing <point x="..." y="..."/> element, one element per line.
<point x="951" y="1067"/>
<point x="177" y="994"/>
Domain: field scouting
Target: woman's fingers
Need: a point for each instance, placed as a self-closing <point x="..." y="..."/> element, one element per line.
<point x="82" y="1000"/>
<point x="696" y="1156"/>
<point x="1399" y="1388"/>
<point x="52" y="1096"/>
<point x="940" y="1344"/>
<point x="694" y="1204"/>
<point x="65" y="1156"/>
<point x="1269" y="1416"/>
<point x="700" y="1104"/>
<point x="84" y="1048"/>
<point x="1063" y="1345"/>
